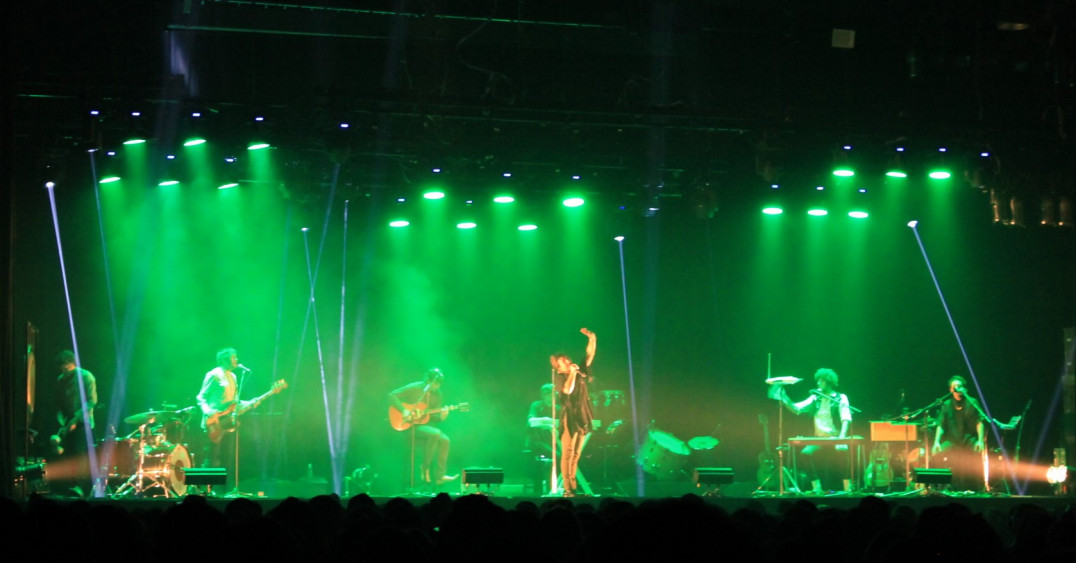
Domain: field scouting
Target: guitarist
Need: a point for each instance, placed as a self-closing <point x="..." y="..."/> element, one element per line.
<point x="220" y="390"/>
<point x="433" y="441"/>
<point x="73" y="414"/>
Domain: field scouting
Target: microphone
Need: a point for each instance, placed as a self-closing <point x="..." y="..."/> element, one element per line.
<point x="960" y="389"/>
<point x="244" y="368"/>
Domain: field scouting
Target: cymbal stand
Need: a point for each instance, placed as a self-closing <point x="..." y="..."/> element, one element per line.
<point x="136" y="484"/>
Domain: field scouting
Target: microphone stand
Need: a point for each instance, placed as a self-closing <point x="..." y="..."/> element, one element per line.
<point x="553" y="435"/>
<point x="235" y="429"/>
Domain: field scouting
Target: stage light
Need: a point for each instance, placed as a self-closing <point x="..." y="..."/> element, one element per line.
<point x="196" y="114"/>
<point x="50" y="185"/>
<point x="939" y="170"/>
<point x="399" y="223"/>
<point x="772" y="210"/>
<point x="507" y="174"/>
<point x="134" y="141"/>
<point x="858" y="214"/>
<point x="228" y="186"/>
<point x="194" y="142"/>
<point x="913" y="224"/>
<point x="259" y="118"/>
<point x="466" y="225"/>
<point x="573" y="202"/>
<point x="230" y="159"/>
<point x="434" y="195"/>
<point x="817" y="212"/>
<point x="109" y="180"/>
<point x="619" y="238"/>
<point x="528" y="227"/>
<point x="842" y="165"/>
<point x="258" y="146"/>
<point x="436" y="170"/>
<point x="167" y="183"/>
<point x="504" y="199"/>
<point x="895" y="167"/>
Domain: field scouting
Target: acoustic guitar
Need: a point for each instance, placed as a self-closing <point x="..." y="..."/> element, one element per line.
<point x="419" y="414"/>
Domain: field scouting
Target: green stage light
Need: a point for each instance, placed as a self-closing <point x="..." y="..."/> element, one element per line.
<point x="528" y="227"/>
<point x="194" y="142"/>
<point x="817" y="212"/>
<point x="844" y="172"/>
<point x="399" y="223"/>
<point x="504" y="199"/>
<point x="257" y="146"/>
<point x="434" y="195"/>
<point x="940" y="175"/>
<point x="858" y="214"/>
<point x="896" y="174"/>
<point x="772" y="210"/>
<point x="228" y="186"/>
<point x="134" y="141"/>
<point x="573" y="202"/>
<point x="168" y="183"/>
<point x="110" y="179"/>
<point x="466" y="225"/>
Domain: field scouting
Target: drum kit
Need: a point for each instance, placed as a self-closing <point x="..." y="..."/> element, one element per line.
<point x="664" y="456"/>
<point x="153" y="459"/>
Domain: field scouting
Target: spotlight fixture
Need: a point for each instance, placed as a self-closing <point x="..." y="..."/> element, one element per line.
<point x="842" y="163"/>
<point x="573" y="202"/>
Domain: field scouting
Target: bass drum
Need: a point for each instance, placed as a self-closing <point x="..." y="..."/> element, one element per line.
<point x="663" y="455"/>
<point x="171" y="467"/>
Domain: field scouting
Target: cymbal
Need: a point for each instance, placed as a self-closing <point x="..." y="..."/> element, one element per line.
<point x="783" y="380"/>
<point x="150" y="416"/>
<point x="703" y="443"/>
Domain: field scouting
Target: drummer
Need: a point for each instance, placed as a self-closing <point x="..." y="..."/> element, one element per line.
<point x="832" y="416"/>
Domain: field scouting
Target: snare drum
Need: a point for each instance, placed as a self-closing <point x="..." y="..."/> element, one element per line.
<point x="663" y="455"/>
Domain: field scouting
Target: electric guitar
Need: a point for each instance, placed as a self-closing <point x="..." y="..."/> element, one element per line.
<point x="56" y="441"/>
<point x="419" y="414"/>
<point x="223" y="421"/>
<point x="767" y="466"/>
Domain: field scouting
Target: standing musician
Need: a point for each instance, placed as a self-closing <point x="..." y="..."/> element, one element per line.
<point x="576" y="416"/>
<point x="832" y="416"/>
<point x="70" y="440"/>
<point x="408" y="401"/>
<point x="220" y="390"/>
<point x="958" y="440"/>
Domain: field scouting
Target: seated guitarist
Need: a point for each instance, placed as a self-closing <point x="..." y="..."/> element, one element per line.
<point x="421" y="406"/>
<point x="219" y="392"/>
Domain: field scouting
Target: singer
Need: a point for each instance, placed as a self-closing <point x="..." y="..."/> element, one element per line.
<point x="958" y="439"/>
<point x="832" y="416"/>
<point x="217" y="398"/>
<point x="575" y="414"/>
